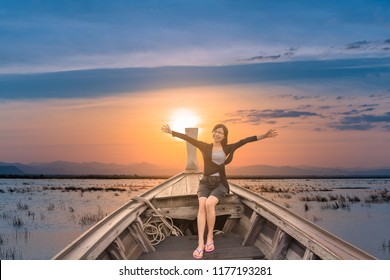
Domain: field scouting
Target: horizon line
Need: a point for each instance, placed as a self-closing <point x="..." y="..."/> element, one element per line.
<point x="3" y="163"/>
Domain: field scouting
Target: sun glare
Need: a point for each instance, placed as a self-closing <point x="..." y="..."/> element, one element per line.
<point x="183" y="118"/>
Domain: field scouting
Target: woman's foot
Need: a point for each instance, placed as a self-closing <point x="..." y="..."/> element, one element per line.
<point x="209" y="247"/>
<point x="198" y="253"/>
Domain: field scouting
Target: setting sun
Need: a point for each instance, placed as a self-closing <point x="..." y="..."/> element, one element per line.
<point x="183" y="118"/>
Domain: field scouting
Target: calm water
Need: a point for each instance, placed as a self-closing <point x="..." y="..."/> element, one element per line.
<point x="40" y="217"/>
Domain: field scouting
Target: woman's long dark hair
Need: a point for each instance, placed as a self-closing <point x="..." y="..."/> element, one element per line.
<point x="225" y="131"/>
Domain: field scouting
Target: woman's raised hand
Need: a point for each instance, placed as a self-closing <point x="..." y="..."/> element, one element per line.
<point x="269" y="134"/>
<point x="166" y="129"/>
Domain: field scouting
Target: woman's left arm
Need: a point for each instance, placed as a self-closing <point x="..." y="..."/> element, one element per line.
<point x="269" y="134"/>
<point x="232" y="147"/>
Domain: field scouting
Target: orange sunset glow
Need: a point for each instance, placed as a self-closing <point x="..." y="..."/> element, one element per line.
<point x="126" y="128"/>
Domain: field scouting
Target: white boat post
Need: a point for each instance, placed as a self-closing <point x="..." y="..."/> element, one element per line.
<point x="192" y="162"/>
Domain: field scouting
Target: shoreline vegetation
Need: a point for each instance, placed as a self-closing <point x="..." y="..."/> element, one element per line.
<point x="135" y="176"/>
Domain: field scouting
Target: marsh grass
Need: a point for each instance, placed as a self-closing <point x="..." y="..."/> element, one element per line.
<point x="8" y="253"/>
<point x="17" y="221"/>
<point x="315" y="193"/>
<point x="285" y="195"/>
<point x="378" y="198"/>
<point x="316" y="219"/>
<point x="92" y="218"/>
<point x="31" y="214"/>
<point x="22" y="206"/>
<point x="336" y="205"/>
<point x="335" y="202"/>
<point x="20" y="190"/>
<point x="90" y="189"/>
<point x="31" y="206"/>
<point x="51" y="207"/>
<point x="317" y="198"/>
<point x="6" y="215"/>
<point x="386" y="245"/>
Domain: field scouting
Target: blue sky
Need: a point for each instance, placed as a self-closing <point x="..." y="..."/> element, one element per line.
<point x="318" y="71"/>
<point x="42" y="36"/>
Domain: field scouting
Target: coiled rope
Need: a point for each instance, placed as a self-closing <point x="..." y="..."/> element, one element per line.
<point x="157" y="224"/>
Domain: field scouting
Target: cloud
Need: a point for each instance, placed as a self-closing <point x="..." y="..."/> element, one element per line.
<point x="101" y="82"/>
<point x="266" y="116"/>
<point x="325" y="107"/>
<point x="357" y="45"/>
<point x="361" y="122"/>
<point x="270" y="57"/>
<point x="344" y="127"/>
<point x="369" y="45"/>
<point x="362" y="48"/>
<point x="298" y="97"/>
<point x="355" y="112"/>
<point x="368" y="105"/>
<point x="368" y="118"/>
<point x="380" y="96"/>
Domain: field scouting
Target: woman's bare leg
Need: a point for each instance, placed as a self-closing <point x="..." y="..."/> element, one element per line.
<point x="201" y="224"/>
<point x="211" y="202"/>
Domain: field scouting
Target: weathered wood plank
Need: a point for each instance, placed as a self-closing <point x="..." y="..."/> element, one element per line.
<point x="247" y="252"/>
<point x="282" y="244"/>
<point x="189" y="200"/>
<point x="192" y="161"/>
<point x="134" y="253"/>
<point x="230" y="224"/>
<point x="309" y="255"/>
<point x="319" y="241"/>
<point x="228" y="246"/>
<point x="191" y="212"/>
<point x="116" y="250"/>
<point x="136" y="230"/>
<point x="187" y="186"/>
<point x="256" y="224"/>
<point x="296" y="251"/>
<point x="192" y="183"/>
<point x="267" y="232"/>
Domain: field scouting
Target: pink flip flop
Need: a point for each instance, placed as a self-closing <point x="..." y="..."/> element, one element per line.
<point x="199" y="253"/>
<point x="209" y="247"/>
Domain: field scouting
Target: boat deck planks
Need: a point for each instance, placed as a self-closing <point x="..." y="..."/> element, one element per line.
<point x="187" y="185"/>
<point x="228" y="246"/>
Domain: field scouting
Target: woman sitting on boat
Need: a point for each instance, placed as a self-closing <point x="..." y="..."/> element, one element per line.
<point x="213" y="186"/>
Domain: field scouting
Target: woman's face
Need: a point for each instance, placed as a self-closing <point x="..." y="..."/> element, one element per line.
<point x="218" y="134"/>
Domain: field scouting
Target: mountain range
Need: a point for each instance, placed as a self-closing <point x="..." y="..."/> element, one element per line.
<point x="148" y="169"/>
<point x="88" y="168"/>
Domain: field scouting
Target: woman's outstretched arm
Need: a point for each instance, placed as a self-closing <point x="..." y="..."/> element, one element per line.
<point x="166" y="129"/>
<point x="269" y="134"/>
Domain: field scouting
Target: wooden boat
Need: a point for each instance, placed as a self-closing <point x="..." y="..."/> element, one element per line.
<point x="161" y="224"/>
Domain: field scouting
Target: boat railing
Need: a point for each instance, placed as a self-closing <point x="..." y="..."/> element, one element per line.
<point x="277" y="227"/>
<point x="95" y="240"/>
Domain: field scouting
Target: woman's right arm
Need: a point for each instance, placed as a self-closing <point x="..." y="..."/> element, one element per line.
<point x="166" y="129"/>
